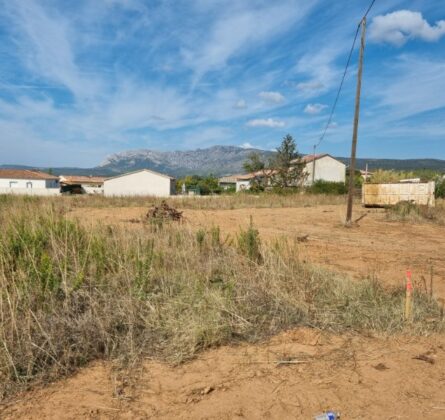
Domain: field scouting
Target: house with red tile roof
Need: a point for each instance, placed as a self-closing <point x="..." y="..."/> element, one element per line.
<point x="29" y="182"/>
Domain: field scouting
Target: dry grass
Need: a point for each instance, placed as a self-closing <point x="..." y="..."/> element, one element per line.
<point x="412" y="213"/>
<point x="70" y="295"/>
<point x="216" y="202"/>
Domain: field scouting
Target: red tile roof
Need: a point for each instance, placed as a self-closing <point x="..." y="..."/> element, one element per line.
<point x="25" y="174"/>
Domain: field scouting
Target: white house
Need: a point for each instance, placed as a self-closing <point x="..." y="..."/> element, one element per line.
<point x="227" y="182"/>
<point x="143" y="182"/>
<point x="326" y="168"/>
<point x="244" y="182"/>
<point x="24" y="181"/>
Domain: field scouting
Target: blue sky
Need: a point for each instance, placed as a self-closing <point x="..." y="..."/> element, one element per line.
<point x="81" y="80"/>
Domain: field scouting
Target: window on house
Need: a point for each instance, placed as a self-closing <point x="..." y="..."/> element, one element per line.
<point x="29" y="185"/>
<point x="13" y="184"/>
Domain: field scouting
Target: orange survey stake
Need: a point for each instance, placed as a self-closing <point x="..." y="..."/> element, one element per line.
<point x="409" y="296"/>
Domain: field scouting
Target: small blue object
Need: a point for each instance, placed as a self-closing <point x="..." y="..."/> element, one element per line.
<point x="328" y="415"/>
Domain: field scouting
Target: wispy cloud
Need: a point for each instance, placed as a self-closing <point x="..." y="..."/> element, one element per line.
<point x="265" y="122"/>
<point x="247" y="145"/>
<point x="312" y="86"/>
<point x="242" y="27"/>
<point x="411" y="88"/>
<point x="46" y="47"/>
<point x="272" y="97"/>
<point x="314" y="108"/>
<point x="240" y="104"/>
<point x="320" y="70"/>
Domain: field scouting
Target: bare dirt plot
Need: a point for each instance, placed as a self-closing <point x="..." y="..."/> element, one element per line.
<point x="359" y="376"/>
<point x="377" y="247"/>
<point x="362" y="377"/>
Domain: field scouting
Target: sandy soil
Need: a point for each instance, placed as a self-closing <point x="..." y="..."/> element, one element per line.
<point x="362" y="377"/>
<point x="375" y="247"/>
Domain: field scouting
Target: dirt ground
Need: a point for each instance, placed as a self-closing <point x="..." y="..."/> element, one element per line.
<point x="293" y="376"/>
<point x="361" y="377"/>
<point x="374" y="248"/>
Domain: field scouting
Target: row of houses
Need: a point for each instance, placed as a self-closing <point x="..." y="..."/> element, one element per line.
<point x="30" y="182"/>
<point x="146" y="182"/>
<point x="316" y="167"/>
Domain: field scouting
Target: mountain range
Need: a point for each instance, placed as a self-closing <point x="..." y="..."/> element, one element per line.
<point x="216" y="160"/>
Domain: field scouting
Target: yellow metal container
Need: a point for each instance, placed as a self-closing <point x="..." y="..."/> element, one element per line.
<point x="382" y="195"/>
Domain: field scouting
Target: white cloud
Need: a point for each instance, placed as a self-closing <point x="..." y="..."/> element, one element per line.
<point x="47" y="47"/>
<point x="320" y="68"/>
<point x="241" y="27"/>
<point x="272" y="97"/>
<point x="241" y="104"/>
<point x="267" y="122"/>
<point x="309" y="86"/>
<point x="314" y="108"/>
<point x="411" y="87"/>
<point x="248" y="145"/>
<point x="398" y="27"/>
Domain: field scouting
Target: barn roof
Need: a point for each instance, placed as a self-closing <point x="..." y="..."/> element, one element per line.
<point x="140" y="170"/>
<point x="25" y="174"/>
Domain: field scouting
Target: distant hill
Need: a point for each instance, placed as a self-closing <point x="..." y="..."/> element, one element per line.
<point x="217" y="160"/>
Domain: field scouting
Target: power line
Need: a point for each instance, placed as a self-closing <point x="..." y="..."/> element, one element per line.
<point x="344" y="76"/>
<point x="339" y="88"/>
<point x="369" y="9"/>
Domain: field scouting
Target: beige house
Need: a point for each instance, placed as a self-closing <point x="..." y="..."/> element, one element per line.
<point x="326" y="168"/>
<point x="140" y="183"/>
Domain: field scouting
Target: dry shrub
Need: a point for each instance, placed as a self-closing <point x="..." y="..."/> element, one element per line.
<point x="69" y="295"/>
<point x="407" y="211"/>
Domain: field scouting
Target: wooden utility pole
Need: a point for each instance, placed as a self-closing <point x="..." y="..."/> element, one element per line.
<point x="355" y="131"/>
<point x="313" y="167"/>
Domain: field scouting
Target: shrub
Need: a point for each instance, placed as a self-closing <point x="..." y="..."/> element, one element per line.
<point x="440" y="187"/>
<point x="410" y="212"/>
<point x="326" y="187"/>
<point x="249" y="243"/>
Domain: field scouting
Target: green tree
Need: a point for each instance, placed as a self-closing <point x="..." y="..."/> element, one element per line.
<point x="288" y="167"/>
<point x="255" y="164"/>
<point x="205" y="185"/>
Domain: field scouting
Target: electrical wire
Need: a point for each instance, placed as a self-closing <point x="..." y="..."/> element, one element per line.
<point x="339" y="88"/>
<point x="369" y="9"/>
<point x="344" y="76"/>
